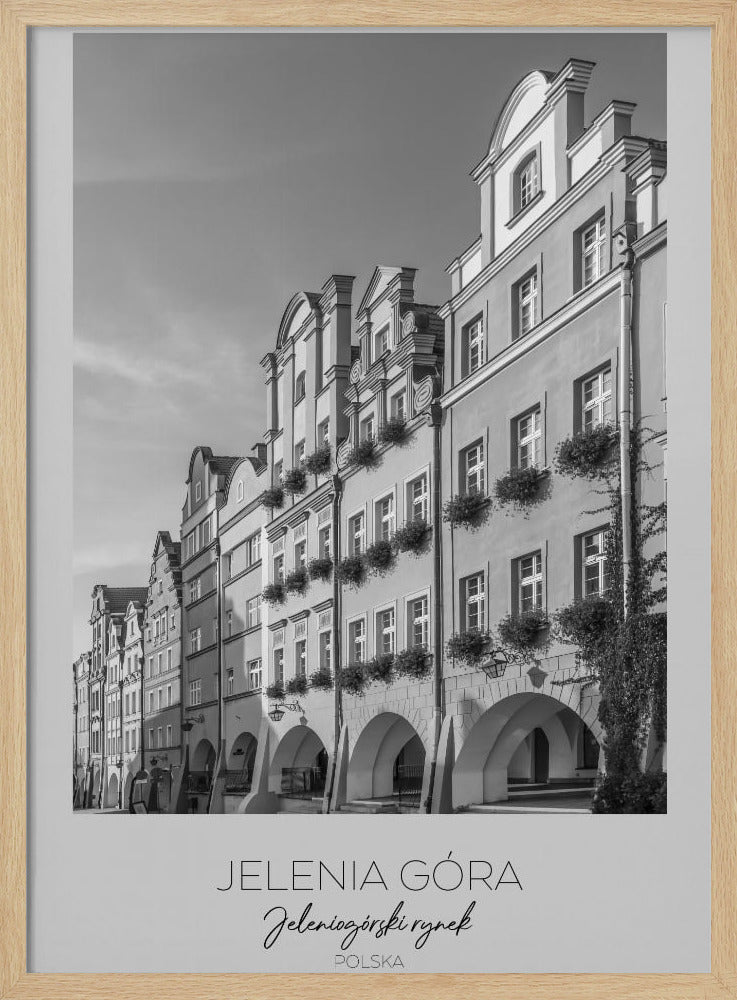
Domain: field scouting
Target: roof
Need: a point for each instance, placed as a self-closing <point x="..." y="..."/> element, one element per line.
<point x="222" y="464"/>
<point x="117" y="598"/>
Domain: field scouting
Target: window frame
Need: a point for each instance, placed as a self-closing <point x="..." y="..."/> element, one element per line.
<point x="411" y="620"/>
<point x="536" y="438"/>
<point x="300" y="386"/>
<point x="480" y="468"/>
<point x="478" y="599"/>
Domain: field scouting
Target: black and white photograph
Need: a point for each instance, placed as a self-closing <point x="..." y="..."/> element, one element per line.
<point x="370" y="424"/>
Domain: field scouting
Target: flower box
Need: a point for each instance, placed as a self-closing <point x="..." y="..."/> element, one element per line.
<point x="586" y="623"/>
<point x="466" y="510"/>
<point x="273" y="497"/>
<point x="519" y="487"/>
<point x="469" y="646"/>
<point x="353" y="678"/>
<point x="351" y="571"/>
<point x="275" y="691"/>
<point x="297" y="581"/>
<point x="393" y="431"/>
<point x="320" y="569"/>
<point x="364" y="455"/>
<point x="413" y="662"/>
<point x="522" y="632"/>
<point x="381" y="668"/>
<point x="297" y="684"/>
<point x="380" y="557"/>
<point x="294" y="481"/>
<point x="588" y="453"/>
<point x="274" y="593"/>
<point x="321" y="680"/>
<point x="412" y="536"/>
<point x="318" y="462"/>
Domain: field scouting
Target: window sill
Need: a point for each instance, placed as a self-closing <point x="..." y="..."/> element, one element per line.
<point x="523" y="211"/>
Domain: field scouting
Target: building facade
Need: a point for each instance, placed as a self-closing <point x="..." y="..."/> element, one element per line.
<point x="81" y="747"/>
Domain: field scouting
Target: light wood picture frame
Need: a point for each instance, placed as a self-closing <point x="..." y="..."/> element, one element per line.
<point x="16" y="17"/>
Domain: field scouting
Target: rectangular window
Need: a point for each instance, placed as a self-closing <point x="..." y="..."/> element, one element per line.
<point x="356" y="534"/>
<point x="253" y="549"/>
<point x="323" y="542"/>
<point x="279" y="665"/>
<point x="151" y="702"/>
<point x="418" y="507"/>
<point x="279" y="568"/>
<point x="195" y="590"/>
<point x="418" y="623"/>
<point x="254" y="674"/>
<point x="229" y="682"/>
<point x="215" y="629"/>
<point x="527" y="304"/>
<point x="473" y="343"/>
<point x="134" y="740"/>
<point x="596" y="399"/>
<point x="198" y="491"/>
<point x="300" y="387"/>
<point x="151" y="739"/>
<point x="168" y="695"/>
<point x="168" y="659"/>
<point x="385" y="631"/>
<point x="300" y="555"/>
<point x="253" y="612"/>
<point x="195" y="692"/>
<point x="150" y="672"/>
<point x="595" y="576"/>
<point x="299" y="454"/>
<point x="357" y="641"/>
<point x="160" y="735"/>
<point x="367" y="429"/>
<point x="190" y="544"/>
<point x="399" y="406"/>
<point x="278" y="468"/>
<point x="323" y="432"/>
<point x="593" y="245"/>
<point x="133" y="703"/>
<point x="324" y="647"/>
<point x="381" y="342"/>
<point x="300" y="658"/>
<point x="529" y="182"/>
<point x="529" y="439"/>
<point x="229" y="622"/>
<point x="168" y="736"/>
<point x="206" y="532"/>
<point x="127" y="741"/>
<point x="384" y="518"/>
<point x="159" y="663"/>
<point x="473" y="603"/>
<point x="195" y="640"/>
<point x="473" y="468"/>
<point x="530" y="582"/>
<point x="158" y="699"/>
<point x="173" y="621"/>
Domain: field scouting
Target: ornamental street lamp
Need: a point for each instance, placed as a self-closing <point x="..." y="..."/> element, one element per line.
<point x="276" y="713"/>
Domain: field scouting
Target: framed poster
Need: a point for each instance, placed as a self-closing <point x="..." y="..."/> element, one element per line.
<point x="359" y="467"/>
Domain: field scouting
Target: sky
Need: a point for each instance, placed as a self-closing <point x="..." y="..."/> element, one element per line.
<point x="215" y="175"/>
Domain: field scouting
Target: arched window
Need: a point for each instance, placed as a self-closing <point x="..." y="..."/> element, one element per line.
<point x="299" y="387"/>
<point x="240" y="489"/>
<point x="526" y="182"/>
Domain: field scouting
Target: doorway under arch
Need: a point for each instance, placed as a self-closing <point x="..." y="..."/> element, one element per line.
<point x="199" y="779"/>
<point x="299" y="765"/>
<point x="111" y="795"/>
<point x="388" y="760"/>
<point x="241" y="760"/>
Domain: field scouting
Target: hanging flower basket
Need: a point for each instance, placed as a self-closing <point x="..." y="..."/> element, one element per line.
<point x="275" y="691"/>
<point x="319" y="461"/>
<point x="380" y="557"/>
<point x="520" y="487"/>
<point x="321" y="680"/>
<point x="351" y="571"/>
<point x="297" y="581"/>
<point x="393" y="431"/>
<point x="320" y="569"/>
<point x="523" y="632"/>
<point x="381" y="668"/>
<point x="586" y="623"/>
<point x="297" y="684"/>
<point x="466" y="510"/>
<point x="364" y="455"/>
<point x="588" y="453"/>
<point x="273" y="497"/>
<point x="294" y="481"/>
<point x="353" y="679"/>
<point x="469" y="646"/>
<point x="274" y="593"/>
<point x="413" y="663"/>
<point x="412" y="536"/>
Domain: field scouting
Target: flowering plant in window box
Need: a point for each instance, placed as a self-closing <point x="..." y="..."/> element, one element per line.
<point x="320" y="568"/>
<point x="586" y="623"/>
<point x="274" y="593"/>
<point x="468" y="646"/>
<point x="381" y="668"/>
<point x="319" y="461"/>
<point x="412" y="536"/>
<point x="273" y="497"/>
<point x="520" y="487"/>
<point x="413" y="662"/>
<point x="275" y="691"/>
<point x="294" y="481"/>
<point x="587" y="453"/>
<point x="296" y="582"/>
<point x="466" y="510"/>
<point x="297" y="684"/>
<point x="353" y="678"/>
<point x="393" y="431"/>
<point x="351" y="570"/>
<point x="363" y="455"/>
<point x="321" y="680"/>
<point x="522" y="632"/>
<point x="380" y="557"/>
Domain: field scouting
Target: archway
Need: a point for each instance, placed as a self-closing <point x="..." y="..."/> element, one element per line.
<point x="127" y="791"/>
<point x="113" y="787"/>
<point x="199" y="779"/>
<point x="241" y="760"/>
<point x="299" y="765"/>
<point x="528" y="737"/>
<point x="388" y="760"/>
<point x="95" y="788"/>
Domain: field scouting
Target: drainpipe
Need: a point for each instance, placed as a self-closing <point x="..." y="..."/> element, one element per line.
<point x="625" y="416"/>
<point x="335" y="636"/>
<point x="434" y="419"/>
<point x="221" y="705"/>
